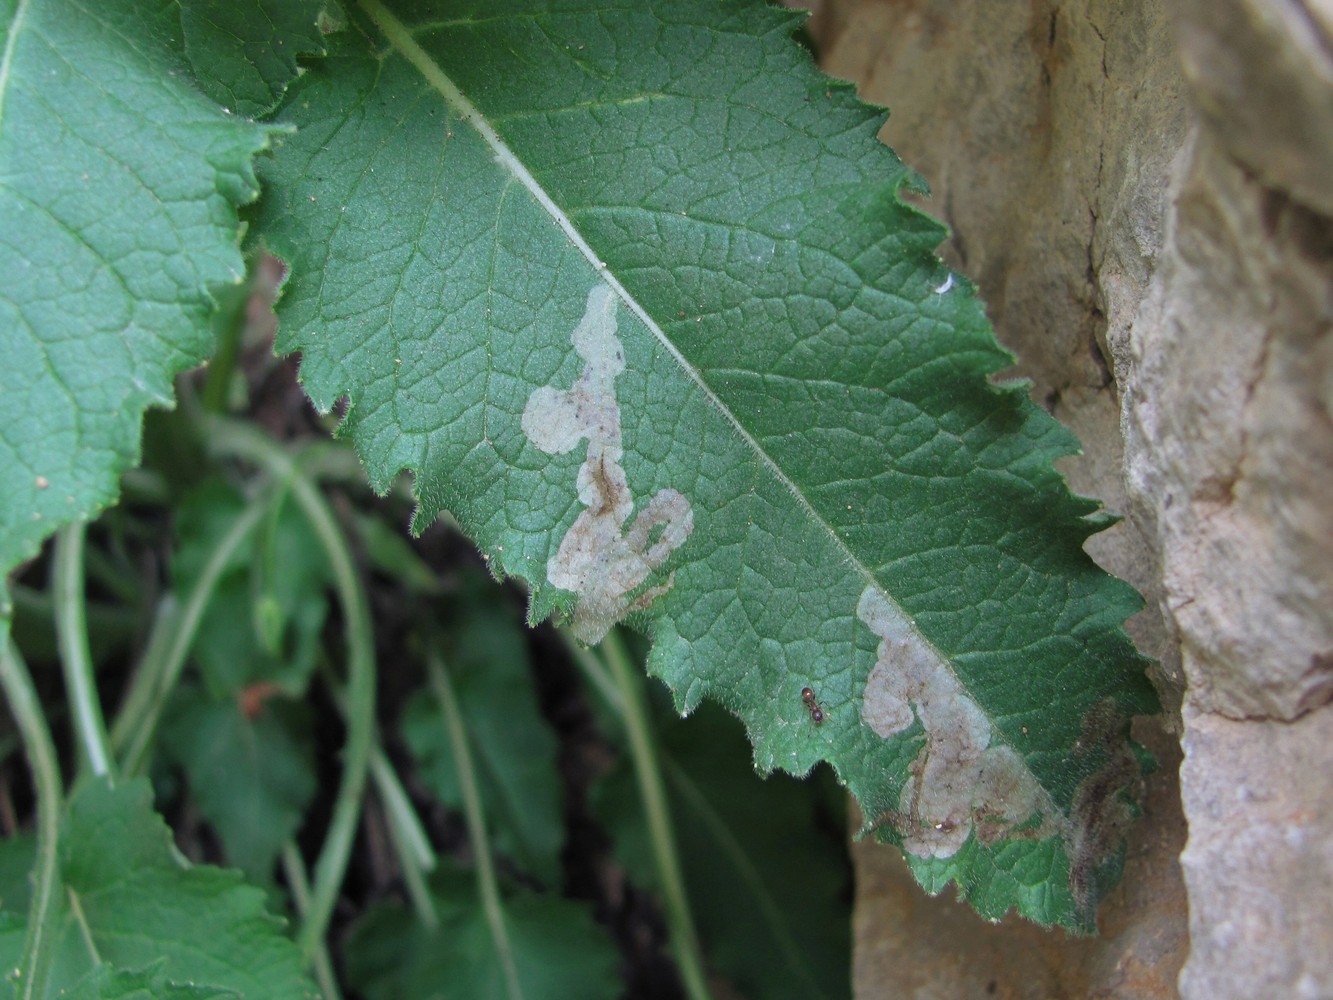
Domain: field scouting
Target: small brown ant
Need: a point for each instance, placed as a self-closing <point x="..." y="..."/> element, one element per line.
<point x="816" y="713"/>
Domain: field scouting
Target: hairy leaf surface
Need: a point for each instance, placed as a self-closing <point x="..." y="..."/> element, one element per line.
<point x="630" y="289"/>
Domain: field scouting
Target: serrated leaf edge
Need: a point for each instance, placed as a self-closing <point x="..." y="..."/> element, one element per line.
<point x="401" y="38"/>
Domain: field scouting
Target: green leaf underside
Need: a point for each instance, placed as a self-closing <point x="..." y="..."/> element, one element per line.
<point x="119" y="183"/>
<point x="242" y="736"/>
<point x="131" y="912"/>
<point x="252" y="777"/>
<point x="635" y="284"/>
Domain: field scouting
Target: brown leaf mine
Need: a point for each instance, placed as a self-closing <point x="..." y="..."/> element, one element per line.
<point x="960" y="781"/>
<point x="599" y="558"/>
<point x="1103" y="807"/>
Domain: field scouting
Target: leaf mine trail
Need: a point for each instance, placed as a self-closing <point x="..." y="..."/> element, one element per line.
<point x="598" y="560"/>
<point x="654" y="324"/>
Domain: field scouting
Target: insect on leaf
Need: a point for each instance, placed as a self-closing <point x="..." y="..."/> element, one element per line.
<point x="630" y="289"/>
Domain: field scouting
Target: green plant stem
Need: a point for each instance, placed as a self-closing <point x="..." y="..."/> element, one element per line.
<point x="331" y="865"/>
<point x="476" y="821"/>
<point x="229" y="331"/>
<point x="415" y="855"/>
<point x="622" y="690"/>
<point x="399" y="809"/>
<point x="293" y="868"/>
<point x="147" y="684"/>
<point x="262" y="571"/>
<point x="652" y="792"/>
<point x="169" y="645"/>
<point x="107" y="572"/>
<point x="108" y="620"/>
<point x="41" y="752"/>
<point x="75" y="659"/>
<point x="596" y="673"/>
<point x="238" y="440"/>
<point x="789" y="952"/>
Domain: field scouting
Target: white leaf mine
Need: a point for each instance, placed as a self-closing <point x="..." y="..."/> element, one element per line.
<point x="959" y="781"/>
<point x="600" y="559"/>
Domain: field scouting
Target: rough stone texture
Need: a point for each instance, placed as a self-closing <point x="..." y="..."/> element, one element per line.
<point x="1229" y="383"/>
<point x="1142" y="190"/>
<point x="1259" y="860"/>
<point x="1228" y="371"/>
<point x="1261" y="75"/>
<point x="909" y="945"/>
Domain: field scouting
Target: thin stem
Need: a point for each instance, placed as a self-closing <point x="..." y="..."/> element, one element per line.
<point x="229" y="330"/>
<point x="412" y="846"/>
<point x="169" y="646"/>
<point x="43" y="914"/>
<point x="596" y="672"/>
<point x="415" y="856"/>
<point x="229" y="438"/>
<point x="476" y="821"/>
<point x="293" y="868"/>
<point x="331" y="865"/>
<point x="413" y="872"/>
<point x="146" y="679"/>
<point x="402" y="815"/>
<point x="109" y="620"/>
<point x="793" y="955"/>
<point x="652" y="792"/>
<point x="109" y="574"/>
<point x="75" y="659"/>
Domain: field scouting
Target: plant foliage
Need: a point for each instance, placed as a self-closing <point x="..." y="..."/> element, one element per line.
<point x="631" y="293"/>
<point x="131" y="911"/>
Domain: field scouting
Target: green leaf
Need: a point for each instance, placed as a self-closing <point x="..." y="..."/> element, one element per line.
<point x="556" y="949"/>
<point x="387" y="551"/>
<point x="631" y="291"/>
<point x="140" y="984"/>
<point x="512" y="745"/>
<point x="765" y="862"/>
<point x="16" y="864"/>
<point x="242" y="741"/>
<point x="129" y="907"/>
<point x="251" y="771"/>
<point x="119" y="183"/>
<point x="263" y="624"/>
<point x="243" y="52"/>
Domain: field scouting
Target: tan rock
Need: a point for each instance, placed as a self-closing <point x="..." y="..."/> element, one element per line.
<point x="1144" y="202"/>
<point x="1259" y="858"/>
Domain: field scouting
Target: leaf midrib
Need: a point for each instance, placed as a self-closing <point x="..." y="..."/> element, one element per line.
<point x="400" y="37"/>
<point x="7" y="61"/>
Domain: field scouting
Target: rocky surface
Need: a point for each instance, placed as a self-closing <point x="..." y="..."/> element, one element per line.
<point x="1142" y="191"/>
